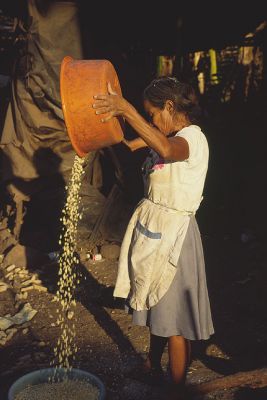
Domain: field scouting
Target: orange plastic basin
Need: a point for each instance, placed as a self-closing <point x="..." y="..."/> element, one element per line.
<point x="80" y="80"/>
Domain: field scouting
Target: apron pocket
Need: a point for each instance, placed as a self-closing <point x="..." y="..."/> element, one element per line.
<point x="146" y="232"/>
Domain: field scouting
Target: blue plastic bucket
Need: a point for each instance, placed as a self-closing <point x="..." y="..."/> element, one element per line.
<point x="43" y="375"/>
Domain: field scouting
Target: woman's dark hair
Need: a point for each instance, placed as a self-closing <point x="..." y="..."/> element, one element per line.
<point x="181" y="94"/>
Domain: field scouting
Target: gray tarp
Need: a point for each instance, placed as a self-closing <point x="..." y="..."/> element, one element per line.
<point x="34" y="140"/>
<point x="36" y="153"/>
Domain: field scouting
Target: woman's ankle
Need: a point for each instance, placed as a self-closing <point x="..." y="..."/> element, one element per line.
<point x="175" y="394"/>
<point x="148" y="365"/>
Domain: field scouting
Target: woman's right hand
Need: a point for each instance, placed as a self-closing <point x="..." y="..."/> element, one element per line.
<point x="111" y="103"/>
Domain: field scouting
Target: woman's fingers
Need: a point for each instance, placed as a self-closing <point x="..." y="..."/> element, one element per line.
<point x="110" y="90"/>
<point x="103" y="110"/>
<point x="101" y="103"/>
<point x="107" y="118"/>
<point x="100" y="96"/>
<point x="106" y="104"/>
<point x="104" y="96"/>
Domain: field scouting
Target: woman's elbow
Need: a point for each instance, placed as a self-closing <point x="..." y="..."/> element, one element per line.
<point x="171" y="155"/>
<point x="166" y="153"/>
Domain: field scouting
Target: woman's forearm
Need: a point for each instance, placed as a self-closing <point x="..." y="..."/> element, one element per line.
<point x="135" y="144"/>
<point x="114" y="105"/>
<point x="150" y="135"/>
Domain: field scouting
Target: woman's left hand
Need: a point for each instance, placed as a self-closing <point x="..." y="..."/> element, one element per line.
<point x="111" y="103"/>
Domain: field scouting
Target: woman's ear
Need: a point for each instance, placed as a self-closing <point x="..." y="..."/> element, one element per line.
<point x="169" y="106"/>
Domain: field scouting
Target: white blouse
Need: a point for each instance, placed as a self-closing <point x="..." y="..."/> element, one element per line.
<point x="154" y="237"/>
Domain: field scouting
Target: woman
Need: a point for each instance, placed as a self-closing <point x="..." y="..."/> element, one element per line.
<point x="161" y="266"/>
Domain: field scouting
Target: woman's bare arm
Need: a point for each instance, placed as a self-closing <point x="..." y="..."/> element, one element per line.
<point x="175" y="148"/>
<point x="135" y="144"/>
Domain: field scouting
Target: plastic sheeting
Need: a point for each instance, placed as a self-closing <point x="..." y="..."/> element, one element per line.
<point x="34" y="140"/>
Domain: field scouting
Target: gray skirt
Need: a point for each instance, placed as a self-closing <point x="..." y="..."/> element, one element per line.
<point x="185" y="308"/>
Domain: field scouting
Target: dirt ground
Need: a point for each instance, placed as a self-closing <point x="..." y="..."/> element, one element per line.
<point x="109" y="346"/>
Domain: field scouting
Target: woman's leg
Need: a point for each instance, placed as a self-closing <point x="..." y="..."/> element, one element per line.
<point x="157" y="345"/>
<point x="179" y="358"/>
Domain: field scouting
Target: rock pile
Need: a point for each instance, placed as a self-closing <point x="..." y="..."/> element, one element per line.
<point x="15" y="283"/>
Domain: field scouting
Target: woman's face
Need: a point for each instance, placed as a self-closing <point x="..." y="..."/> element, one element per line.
<point x="160" y="118"/>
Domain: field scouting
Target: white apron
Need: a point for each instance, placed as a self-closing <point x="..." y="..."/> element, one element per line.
<point x="154" y="237"/>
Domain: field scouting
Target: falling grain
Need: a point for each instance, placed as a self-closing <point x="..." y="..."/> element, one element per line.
<point x="66" y="348"/>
